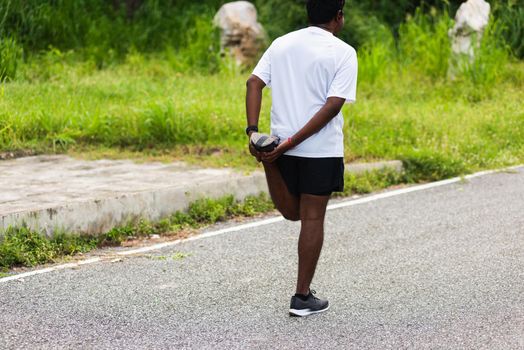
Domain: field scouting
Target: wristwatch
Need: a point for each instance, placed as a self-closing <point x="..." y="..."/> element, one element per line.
<point x="251" y="128"/>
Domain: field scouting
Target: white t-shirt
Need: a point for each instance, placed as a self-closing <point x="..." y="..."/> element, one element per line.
<point x="303" y="68"/>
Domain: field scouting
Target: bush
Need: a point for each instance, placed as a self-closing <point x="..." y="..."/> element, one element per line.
<point x="210" y="210"/>
<point x="22" y="246"/>
<point x="201" y="50"/>
<point x="489" y="60"/>
<point x="376" y="58"/>
<point x="254" y="205"/>
<point x="281" y="16"/>
<point x="510" y="17"/>
<point x="424" y="44"/>
<point x="10" y="56"/>
<point x="363" y="27"/>
<point x="105" y="31"/>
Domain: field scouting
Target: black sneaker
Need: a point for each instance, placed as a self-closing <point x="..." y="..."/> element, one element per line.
<point x="264" y="142"/>
<point x="312" y="305"/>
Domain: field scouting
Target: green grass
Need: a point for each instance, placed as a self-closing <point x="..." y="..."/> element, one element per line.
<point x="409" y="106"/>
<point x="142" y="104"/>
<point x="148" y="108"/>
<point x="372" y="181"/>
<point x="441" y="124"/>
<point x="21" y="246"/>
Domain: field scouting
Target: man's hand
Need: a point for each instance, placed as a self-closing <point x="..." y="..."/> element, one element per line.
<point x="254" y="152"/>
<point x="270" y="157"/>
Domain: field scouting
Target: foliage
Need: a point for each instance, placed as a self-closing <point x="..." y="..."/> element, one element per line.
<point x="423" y="48"/>
<point x="401" y="116"/>
<point x="394" y="12"/>
<point x="424" y="43"/>
<point x="510" y="17"/>
<point x="145" y="104"/>
<point x="24" y="247"/>
<point x="106" y="32"/>
<point x="281" y="16"/>
<point x="377" y="58"/>
<point x="490" y="60"/>
<point x="202" y="49"/>
<point x="103" y="31"/>
<point x="10" y="57"/>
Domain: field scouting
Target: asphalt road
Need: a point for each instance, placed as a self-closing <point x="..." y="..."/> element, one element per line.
<point x="435" y="269"/>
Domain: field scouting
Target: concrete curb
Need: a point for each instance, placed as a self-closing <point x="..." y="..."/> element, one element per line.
<point x="96" y="216"/>
<point x="99" y="215"/>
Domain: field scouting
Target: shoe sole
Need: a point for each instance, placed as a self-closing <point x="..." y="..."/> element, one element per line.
<point x="305" y="312"/>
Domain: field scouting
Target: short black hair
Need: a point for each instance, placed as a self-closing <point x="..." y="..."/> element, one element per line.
<point x="323" y="11"/>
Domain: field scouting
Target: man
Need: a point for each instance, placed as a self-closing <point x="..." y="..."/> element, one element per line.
<point x="311" y="74"/>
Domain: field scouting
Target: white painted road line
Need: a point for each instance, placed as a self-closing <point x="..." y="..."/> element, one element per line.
<point x="414" y="189"/>
<point x="269" y="221"/>
<point x="49" y="269"/>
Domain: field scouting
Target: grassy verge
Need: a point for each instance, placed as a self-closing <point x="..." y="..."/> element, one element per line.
<point x="372" y="181"/>
<point x="147" y="108"/>
<point x="24" y="247"/>
<point x="440" y="113"/>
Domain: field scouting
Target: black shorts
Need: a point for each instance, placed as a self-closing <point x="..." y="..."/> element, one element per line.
<point x="317" y="176"/>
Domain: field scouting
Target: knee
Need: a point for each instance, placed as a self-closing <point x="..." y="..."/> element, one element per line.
<point x="291" y="216"/>
<point x="290" y="213"/>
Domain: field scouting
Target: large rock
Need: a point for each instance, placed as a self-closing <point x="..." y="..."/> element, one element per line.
<point x="470" y="21"/>
<point x="241" y="33"/>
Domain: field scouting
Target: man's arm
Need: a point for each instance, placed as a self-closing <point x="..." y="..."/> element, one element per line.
<point x="329" y="111"/>
<point x="254" y="87"/>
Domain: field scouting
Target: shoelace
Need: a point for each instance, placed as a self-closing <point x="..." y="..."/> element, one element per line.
<point x="313" y="292"/>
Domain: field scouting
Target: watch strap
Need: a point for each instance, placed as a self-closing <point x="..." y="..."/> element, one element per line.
<point x="251" y="128"/>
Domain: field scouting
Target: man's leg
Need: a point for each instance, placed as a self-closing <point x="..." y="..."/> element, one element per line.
<point x="286" y="203"/>
<point x="312" y="213"/>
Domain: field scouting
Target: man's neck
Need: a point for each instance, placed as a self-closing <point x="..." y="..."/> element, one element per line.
<point x="326" y="27"/>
